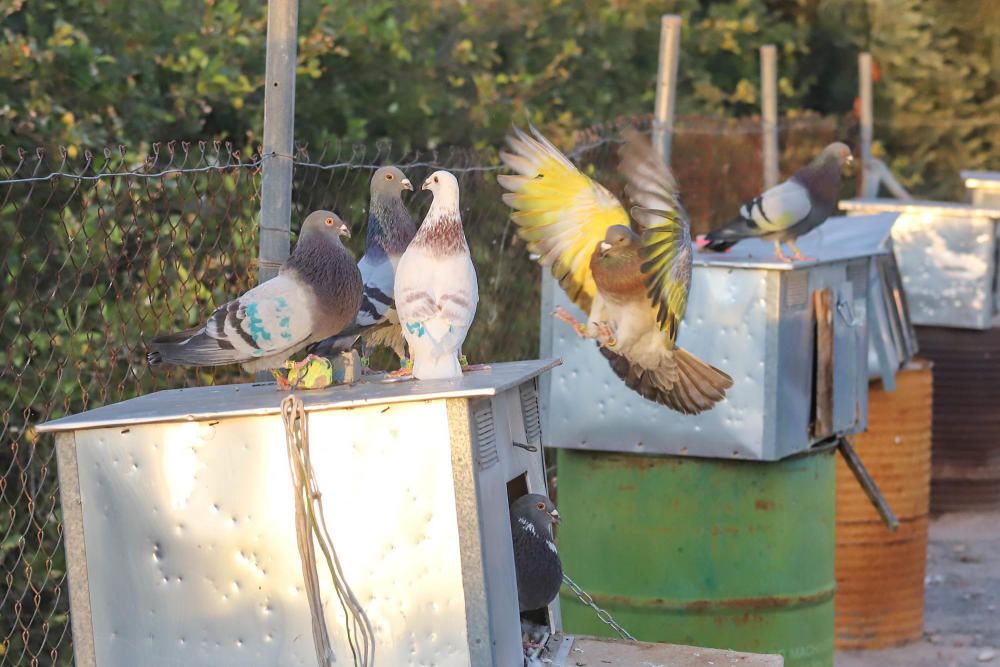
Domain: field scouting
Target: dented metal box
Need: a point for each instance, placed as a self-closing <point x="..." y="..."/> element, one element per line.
<point x="753" y="317"/>
<point x="947" y="256"/>
<point x="180" y="533"/>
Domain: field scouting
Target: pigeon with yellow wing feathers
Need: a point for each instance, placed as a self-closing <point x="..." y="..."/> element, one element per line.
<point x="632" y="282"/>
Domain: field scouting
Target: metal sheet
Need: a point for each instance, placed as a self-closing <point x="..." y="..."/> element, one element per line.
<point x="983" y="187"/>
<point x="190" y="539"/>
<point x="947" y="258"/>
<point x="839" y="238"/>
<point x="207" y="403"/>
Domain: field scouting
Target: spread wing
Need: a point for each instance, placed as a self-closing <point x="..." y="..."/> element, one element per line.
<point x="666" y="231"/>
<point x="560" y="212"/>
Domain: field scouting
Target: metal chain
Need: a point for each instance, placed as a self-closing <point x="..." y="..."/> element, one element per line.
<point x="602" y="614"/>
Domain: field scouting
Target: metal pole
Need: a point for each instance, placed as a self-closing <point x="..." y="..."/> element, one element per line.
<point x="769" y="112"/>
<point x="279" y="124"/>
<point x="869" y="179"/>
<point x="666" y="84"/>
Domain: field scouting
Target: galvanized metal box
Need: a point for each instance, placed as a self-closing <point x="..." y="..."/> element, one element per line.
<point x="752" y="316"/>
<point x="947" y="257"/>
<point x="179" y="521"/>
<point x="983" y="188"/>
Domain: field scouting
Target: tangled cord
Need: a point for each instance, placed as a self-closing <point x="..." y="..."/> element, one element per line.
<point x="310" y="523"/>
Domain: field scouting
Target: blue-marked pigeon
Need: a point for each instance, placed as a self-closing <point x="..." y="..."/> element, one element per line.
<point x="390" y="230"/>
<point x="436" y="290"/>
<point x="790" y="209"/>
<point x="315" y="295"/>
<point x="536" y="559"/>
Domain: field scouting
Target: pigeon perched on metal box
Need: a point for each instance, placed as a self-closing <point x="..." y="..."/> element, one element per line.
<point x="790" y="209"/>
<point x="436" y="289"/>
<point x="536" y="559"/>
<point x="632" y="283"/>
<point x="315" y="295"/>
<point x="390" y="230"/>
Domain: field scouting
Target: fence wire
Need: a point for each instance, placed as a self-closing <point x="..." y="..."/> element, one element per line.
<point x="104" y="250"/>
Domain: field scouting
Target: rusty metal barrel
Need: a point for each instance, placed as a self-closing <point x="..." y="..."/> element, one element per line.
<point x="880" y="573"/>
<point x="966" y="432"/>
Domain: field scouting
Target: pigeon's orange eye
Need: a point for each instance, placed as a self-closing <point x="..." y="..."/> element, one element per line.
<point x="540" y="506"/>
<point x="329" y="221"/>
<point x="388" y="177"/>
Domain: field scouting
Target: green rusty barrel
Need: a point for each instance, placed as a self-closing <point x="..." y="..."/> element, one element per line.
<point x="704" y="552"/>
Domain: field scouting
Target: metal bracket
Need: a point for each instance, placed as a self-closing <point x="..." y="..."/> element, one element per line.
<point x="868" y="485"/>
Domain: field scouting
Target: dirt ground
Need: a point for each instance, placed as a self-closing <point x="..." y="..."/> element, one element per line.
<point x="962" y="614"/>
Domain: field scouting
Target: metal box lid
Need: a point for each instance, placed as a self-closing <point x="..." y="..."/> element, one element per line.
<point x="751" y="316"/>
<point x="203" y="403"/>
<point x="947" y="257"/>
<point x="981" y="180"/>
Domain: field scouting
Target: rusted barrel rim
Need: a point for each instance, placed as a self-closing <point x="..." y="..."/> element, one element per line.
<point x="767" y="602"/>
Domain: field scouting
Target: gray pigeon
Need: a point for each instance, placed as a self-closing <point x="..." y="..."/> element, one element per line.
<point x="536" y="559"/>
<point x="316" y="294"/>
<point x="390" y="230"/>
<point x="790" y="209"/>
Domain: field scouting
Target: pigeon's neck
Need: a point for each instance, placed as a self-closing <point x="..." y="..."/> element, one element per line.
<point x="390" y="228"/>
<point x="315" y="260"/>
<point x="618" y="275"/>
<point x="822" y="179"/>
<point x="441" y="231"/>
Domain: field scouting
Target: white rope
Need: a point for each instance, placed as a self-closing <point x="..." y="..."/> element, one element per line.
<point x="310" y="529"/>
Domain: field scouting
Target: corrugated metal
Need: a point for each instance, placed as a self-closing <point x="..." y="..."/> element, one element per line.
<point x="880" y="574"/>
<point x="703" y="552"/>
<point x="966" y="433"/>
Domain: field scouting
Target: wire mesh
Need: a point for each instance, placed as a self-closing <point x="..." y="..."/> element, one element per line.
<point x="103" y="251"/>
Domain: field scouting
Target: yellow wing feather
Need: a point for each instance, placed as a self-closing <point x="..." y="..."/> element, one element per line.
<point x="560" y="213"/>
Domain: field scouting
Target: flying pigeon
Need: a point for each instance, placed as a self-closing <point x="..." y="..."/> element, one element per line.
<point x="390" y="230"/>
<point x="436" y="290"/>
<point x="536" y="559"/>
<point x="633" y="283"/>
<point x="790" y="209"/>
<point x="316" y="294"/>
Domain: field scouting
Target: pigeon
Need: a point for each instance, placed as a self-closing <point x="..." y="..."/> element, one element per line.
<point x="390" y="230"/>
<point x="436" y="290"/>
<point x="632" y="283"/>
<point x="790" y="209"/>
<point x="536" y="559"/>
<point x="316" y="294"/>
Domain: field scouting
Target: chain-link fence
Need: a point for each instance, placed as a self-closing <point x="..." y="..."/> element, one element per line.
<point x="102" y="251"/>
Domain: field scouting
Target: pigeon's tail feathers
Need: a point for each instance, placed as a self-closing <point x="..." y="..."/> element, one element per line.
<point x="192" y="347"/>
<point x="335" y="344"/>
<point x="682" y="382"/>
<point x="726" y="237"/>
<point x="436" y="367"/>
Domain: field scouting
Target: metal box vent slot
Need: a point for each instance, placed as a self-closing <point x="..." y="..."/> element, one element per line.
<point x="486" y="438"/>
<point x="796" y="291"/>
<point x="531" y="413"/>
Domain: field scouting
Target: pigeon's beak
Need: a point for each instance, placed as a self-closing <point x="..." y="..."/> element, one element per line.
<point x="345" y="231"/>
<point x="407" y="185"/>
<point x="850" y="159"/>
<point x="555" y="516"/>
<point x="605" y="247"/>
<point x="426" y="185"/>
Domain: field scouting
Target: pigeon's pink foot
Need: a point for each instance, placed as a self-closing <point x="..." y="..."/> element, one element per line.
<point x="605" y="335"/>
<point x="561" y="313"/>
<point x="701" y="242"/>
<point x="779" y="254"/>
<point x="283" y="384"/>
<point x="798" y="254"/>
<point x="401" y="373"/>
<point x="529" y="646"/>
<point x="472" y="368"/>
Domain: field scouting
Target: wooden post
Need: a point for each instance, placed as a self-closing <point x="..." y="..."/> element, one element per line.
<point x="666" y="84"/>
<point x="279" y="124"/>
<point x="769" y="112"/>
<point x="869" y="178"/>
<point x="823" y="307"/>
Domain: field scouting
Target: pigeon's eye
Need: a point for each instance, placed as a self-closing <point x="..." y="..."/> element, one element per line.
<point x="540" y="506"/>
<point x="435" y="179"/>
<point x="388" y="177"/>
<point x="329" y="221"/>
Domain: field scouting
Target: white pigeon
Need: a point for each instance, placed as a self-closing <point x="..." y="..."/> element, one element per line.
<point x="435" y="287"/>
